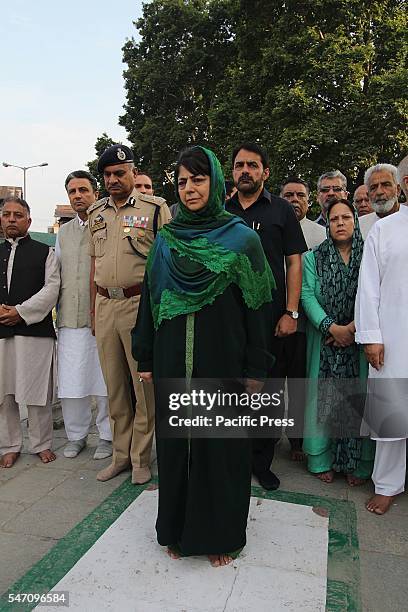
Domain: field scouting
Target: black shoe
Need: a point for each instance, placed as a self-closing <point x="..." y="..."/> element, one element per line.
<point x="268" y="480"/>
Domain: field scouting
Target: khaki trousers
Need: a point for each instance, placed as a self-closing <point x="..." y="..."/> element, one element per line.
<point x="39" y="427"/>
<point x="132" y="427"/>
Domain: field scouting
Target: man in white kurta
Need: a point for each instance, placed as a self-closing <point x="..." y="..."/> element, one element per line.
<point x="29" y="285"/>
<point x="382" y="327"/>
<point x="383" y="191"/>
<point x="80" y="379"/>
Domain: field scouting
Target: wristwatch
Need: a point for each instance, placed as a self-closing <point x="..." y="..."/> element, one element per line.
<point x="292" y="313"/>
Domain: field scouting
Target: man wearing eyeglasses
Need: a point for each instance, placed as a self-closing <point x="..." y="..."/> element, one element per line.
<point x="329" y="185"/>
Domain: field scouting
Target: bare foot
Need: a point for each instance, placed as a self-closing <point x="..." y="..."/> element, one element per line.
<point x="172" y="553"/>
<point x="8" y="460"/>
<point x="354" y="481"/>
<point x="296" y="454"/>
<point x="47" y="456"/>
<point x="219" y="560"/>
<point x="326" y="477"/>
<point x="380" y="504"/>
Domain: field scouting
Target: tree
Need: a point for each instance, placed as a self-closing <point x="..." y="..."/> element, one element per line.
<point x="324" y="86"/>
<point x="172" y="77"/>
<point x="320" y="83"/>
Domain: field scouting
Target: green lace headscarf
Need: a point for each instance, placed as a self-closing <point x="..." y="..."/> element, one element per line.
<point x="199" y="254"/>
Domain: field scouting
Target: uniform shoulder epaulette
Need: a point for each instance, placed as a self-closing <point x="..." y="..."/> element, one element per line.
<point x="155" y="200"/>
<point x="97" y="204"/>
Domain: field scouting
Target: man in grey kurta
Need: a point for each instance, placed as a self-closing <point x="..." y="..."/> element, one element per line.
<point x="29" y="285"/>
<point x="80" y="378"/>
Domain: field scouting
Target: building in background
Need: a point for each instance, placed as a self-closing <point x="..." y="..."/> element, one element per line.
<point x="9" y="190"/>
<point x="63" y="213"/>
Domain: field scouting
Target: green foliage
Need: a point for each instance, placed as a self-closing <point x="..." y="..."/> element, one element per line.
<point x="321" y="84"/>
<point x="172" y="77"/>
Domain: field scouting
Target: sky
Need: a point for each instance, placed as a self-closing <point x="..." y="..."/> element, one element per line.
<point x="61" y="87"/>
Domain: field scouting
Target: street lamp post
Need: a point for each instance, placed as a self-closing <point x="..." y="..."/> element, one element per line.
<point x="24" y="169"/>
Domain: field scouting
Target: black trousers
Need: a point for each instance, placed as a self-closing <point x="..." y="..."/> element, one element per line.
<point x="290" y="355"/>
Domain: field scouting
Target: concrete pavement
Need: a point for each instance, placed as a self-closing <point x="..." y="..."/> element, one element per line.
<point x="40" y="504"/>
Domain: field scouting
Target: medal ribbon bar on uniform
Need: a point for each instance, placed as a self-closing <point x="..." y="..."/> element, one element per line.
<point x="133" y="221"/>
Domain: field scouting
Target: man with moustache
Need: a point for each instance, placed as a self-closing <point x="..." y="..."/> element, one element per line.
<point x="361" y="201"/>
<point x="296" y="192"/>
<point x="122" y="230"/>
<point x="330" y="185"/>
<point x="383" y="190"/>
<point x="144" y="184"/>
<point x="273" y="218"/>
<point x="382" y="327"/>
<point x="29" y="285"/>
<point x="80" y="379"/>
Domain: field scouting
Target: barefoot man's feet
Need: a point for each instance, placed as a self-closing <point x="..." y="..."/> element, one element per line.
<point x="326" y="476"/>
<point x="173" y="554"/>
<point x="46" y="456"/>
<point x="8" y="460"/>
<point x="354" y="481"/>
<point x="219" y="560"/>
<point x="296" y="454"/>
<point x="380" y="504"/>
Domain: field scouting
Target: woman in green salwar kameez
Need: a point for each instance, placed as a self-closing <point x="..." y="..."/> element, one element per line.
<point x="330" y="277"/>
<point x="205" y="312"/>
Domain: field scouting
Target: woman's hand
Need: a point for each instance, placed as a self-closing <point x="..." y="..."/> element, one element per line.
<point x="341" y="335"/>
<point x="146" y="376"/>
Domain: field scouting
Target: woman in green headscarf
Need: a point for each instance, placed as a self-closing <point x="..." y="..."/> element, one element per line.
<point x="336" y="366"/>
<point x="205" y="312"/>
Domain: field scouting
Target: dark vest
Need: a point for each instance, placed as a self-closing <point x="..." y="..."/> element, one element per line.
<point x="27" y="279"/>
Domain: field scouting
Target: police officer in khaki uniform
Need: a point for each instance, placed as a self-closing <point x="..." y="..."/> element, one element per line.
<point x="122" y="229"/>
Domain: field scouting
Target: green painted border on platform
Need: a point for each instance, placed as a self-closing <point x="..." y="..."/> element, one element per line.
<point x="343" y="568"/>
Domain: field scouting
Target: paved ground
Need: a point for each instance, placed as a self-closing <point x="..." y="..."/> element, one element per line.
<point x="287" y="546"/>
<point x="40" y="504"/>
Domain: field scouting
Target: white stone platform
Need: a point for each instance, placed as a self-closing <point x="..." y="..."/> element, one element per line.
<point x="282" y="568"/>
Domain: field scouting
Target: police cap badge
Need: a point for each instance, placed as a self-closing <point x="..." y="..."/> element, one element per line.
<point x="116" y="154"/>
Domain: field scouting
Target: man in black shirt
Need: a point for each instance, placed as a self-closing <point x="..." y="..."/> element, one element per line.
<point x="274" y="219"/>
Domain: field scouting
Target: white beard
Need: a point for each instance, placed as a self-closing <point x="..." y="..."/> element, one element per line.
<point x="383" y="207"/>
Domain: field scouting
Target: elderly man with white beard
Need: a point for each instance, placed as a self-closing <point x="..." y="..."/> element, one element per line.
<point x="382" y="327"/>
<point x="383" y="190"/>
